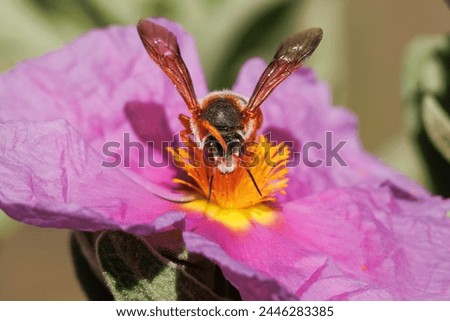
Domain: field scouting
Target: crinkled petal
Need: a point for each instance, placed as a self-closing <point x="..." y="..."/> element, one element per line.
<point x="273" y="255"/>
<point x="251" y="284"/>
<point x="359" y="243"/>
<point x="300" y="111"/>
<point x="396" y="246"/>
<point x="95" y="82"/>
<point x="51" y="177"/>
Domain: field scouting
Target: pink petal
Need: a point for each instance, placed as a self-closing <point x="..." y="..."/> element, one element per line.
<point x="51" y="177"/>
<point x="90" y="83"/>
<point x="388" y="243"/>
<point x="359" y="243"/>
<point x="300" y="111"/>
<point x="251" y="284"/>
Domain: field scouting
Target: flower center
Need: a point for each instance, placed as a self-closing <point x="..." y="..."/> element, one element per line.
<point x="245" y="195"/>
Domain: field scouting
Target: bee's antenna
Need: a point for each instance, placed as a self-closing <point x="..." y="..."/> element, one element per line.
<point x="254" y="182"/>
<point x="210" y="187"/>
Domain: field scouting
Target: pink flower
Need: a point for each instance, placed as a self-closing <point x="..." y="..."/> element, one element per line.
<point x="355" y="232"/>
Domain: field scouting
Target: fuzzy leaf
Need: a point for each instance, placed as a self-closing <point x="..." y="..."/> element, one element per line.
<point x="93" y="287"/>
<point x="135" y="271"/>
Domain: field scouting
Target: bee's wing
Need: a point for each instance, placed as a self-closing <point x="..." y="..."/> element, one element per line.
<point x="162" y="46"/>
<point x="291" y="54"/>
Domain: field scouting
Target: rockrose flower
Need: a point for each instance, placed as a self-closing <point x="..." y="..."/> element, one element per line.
<point x="330" y="223"/>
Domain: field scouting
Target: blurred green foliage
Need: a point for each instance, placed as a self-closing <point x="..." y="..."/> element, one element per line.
<point x="426" y="95"/>
<point x="227" y="32"/>
<point x="7" y="225"/>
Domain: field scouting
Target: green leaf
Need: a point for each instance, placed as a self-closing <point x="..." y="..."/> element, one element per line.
<point x="426" y="96"/>
<point x="418" y="53"/>
<point x="437" y="125"/>
<point x="259" y="36"/>
<point x="92" y="285"/>
<point x="415" y="80"/>
<point x="133" y="270"/>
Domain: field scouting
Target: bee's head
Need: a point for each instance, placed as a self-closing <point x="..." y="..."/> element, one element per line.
<point x="224" y="157"/>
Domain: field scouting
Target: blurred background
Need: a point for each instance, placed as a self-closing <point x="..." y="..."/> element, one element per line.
<point x="361" y="57"/>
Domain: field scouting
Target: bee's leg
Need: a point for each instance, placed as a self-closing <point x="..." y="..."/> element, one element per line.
<point x="210" y="187"/>
<point x="185" y="133"/>
<point x="185" y="120"/>
<point x="211" y="178"/>
<point x="187" y="141"/>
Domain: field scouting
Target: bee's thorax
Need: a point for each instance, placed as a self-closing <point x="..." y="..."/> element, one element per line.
<point x="223" y="111"/>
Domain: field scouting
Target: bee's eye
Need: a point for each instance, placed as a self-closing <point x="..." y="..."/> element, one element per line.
<point x="234" y="147"/>
<point x="212" y="150"/>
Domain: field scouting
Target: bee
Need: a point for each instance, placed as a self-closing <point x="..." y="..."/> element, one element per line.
<point x="223" y="121"/>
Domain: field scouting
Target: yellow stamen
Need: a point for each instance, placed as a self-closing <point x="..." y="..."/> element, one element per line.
<point x="235" y="201"/>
